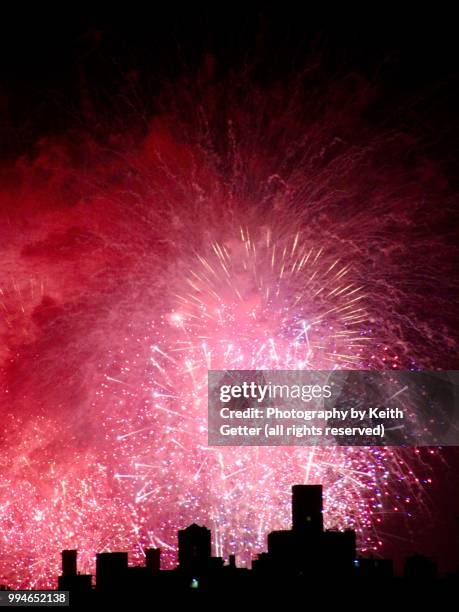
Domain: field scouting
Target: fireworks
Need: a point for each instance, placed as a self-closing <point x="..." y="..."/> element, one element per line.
<point x="279" y="292"/>
<point x="150" y="470"/>
<point x="195" y="259"/>
<point x="247" y="310"/>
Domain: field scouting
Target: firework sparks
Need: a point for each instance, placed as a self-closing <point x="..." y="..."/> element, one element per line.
<point x="150" y="282"/>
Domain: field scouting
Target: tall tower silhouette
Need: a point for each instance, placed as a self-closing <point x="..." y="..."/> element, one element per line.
<point x="69" y="562"/>
<point x="307" y="509"/>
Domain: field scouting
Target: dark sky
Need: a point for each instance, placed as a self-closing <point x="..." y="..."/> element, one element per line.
<point x="45" y="51"/>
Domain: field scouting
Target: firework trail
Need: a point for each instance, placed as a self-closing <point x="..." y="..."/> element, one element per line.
<point x="262" y="234"/>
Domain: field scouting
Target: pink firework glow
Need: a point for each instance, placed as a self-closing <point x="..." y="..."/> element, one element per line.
<point x="262" y="234"/>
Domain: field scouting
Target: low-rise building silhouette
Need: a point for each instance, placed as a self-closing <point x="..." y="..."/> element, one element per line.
<point x="194" y="548"/>
<point x="70" y="579"/>
<point x="419" y="567"/>
<point x="111" y="569"/>
<point x="153" y="560"/>
<point x="372" y="568"/>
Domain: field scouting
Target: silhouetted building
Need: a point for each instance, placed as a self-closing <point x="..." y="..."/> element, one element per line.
<point x="70" y="580"/>
<point x="306" y="549"/>
<point x="338" y="552"/>
<point x="307" y="509"/>
<point x="370" y="568"/>
<point x="297" y="559"/>
<point x="69" y="562"/>
<point x="111" y="569"/>
<point x="420" y="567"/>
<point x="153" y="560"/>
<point x="194" y="551"/>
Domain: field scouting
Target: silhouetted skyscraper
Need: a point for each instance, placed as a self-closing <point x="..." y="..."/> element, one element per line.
<point x="307" y="508"/>
<point x="69" y="562"/>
